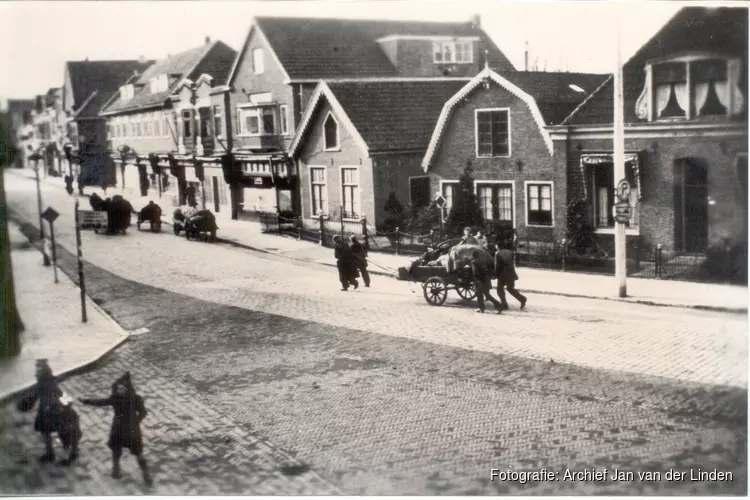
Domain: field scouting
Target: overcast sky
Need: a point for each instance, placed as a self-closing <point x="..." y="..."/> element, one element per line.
<point x="37" y="38"/>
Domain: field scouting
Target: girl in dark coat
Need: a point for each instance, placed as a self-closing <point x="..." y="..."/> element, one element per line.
<point x="46" y="396"/>
<point x="126" y="423"/>
<point x="360" y="258"/>
<point x="345" y="263"/>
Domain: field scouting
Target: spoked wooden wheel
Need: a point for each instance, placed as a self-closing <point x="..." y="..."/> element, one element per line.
<point x="435" y="291"/>
<point x="466" y="290"/>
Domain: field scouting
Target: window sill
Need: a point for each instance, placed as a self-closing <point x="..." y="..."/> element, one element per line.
<point x="547" y="226"/>
<point x="489" y="157"/>
<point x="611" y="230"/>
<point x="351" y="219"/>
<point x="332" y="150"/>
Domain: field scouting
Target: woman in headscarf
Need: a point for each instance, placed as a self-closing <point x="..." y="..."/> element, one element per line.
<point x="129" y="411"/>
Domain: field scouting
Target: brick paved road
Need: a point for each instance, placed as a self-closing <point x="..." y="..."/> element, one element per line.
<point x="389" y="414"/>
<point x="683" y="344"/>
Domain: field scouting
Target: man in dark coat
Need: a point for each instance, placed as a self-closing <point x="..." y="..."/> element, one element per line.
<point x="129" y="411"/>
<point x="505" y="271"/>
<point x="482" y="274"/>
<point x="345" y="263"/>
<point x="360" y="258"/>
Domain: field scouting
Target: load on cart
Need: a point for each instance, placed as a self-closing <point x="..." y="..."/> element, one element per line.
<point x="443" y="268"/>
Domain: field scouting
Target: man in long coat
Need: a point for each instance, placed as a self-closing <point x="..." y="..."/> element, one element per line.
<point x="345" y="263"/>
<point x="125" y="432"/>
<point x="505" y="271"/>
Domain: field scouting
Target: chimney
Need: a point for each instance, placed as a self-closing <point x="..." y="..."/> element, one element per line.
<point x="476" y="21"/>
<point x="208" y="40"/>
<point x="526" y="57"/>
<point x="87" y="59"/>
<point x="142" y="59"/>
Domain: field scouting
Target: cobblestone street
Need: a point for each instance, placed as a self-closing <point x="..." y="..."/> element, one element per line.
<point x="380" y="393"/>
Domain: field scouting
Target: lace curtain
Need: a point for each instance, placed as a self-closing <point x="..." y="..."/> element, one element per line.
<point x="701" y="94"/>
<point x="663" y="93"/>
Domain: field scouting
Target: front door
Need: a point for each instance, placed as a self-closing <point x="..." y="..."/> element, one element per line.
<point x="691" y="205"/>
<point x="216" y="193"/>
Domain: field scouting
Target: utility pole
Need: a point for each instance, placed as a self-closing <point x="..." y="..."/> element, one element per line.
<point x="619" y="166"/>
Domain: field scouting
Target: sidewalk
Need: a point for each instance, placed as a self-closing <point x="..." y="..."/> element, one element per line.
<point x="247" y="234"/>
<point x="51" y="314"/>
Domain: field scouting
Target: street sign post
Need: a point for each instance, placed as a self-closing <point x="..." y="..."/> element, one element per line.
<point x="39" y="206"/>
<point x="50" y="215"/>
<point x="440" y="201"/>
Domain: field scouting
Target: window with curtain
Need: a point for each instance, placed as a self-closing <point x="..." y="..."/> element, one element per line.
<point x="671" y="90"/>
<point x="350" y="193"/>
<point x="318" y="190"/>
<point x="539" y="204"/>
<point x="449" y="193"/>
<point x="604" y="195"/>
<point x="496" y="201"/>
<point x="711" y="87"/>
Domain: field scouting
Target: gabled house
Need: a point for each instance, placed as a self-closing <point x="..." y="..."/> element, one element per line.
<point x="161" y="124"/>
<point x="47" y="119"/>
<point x="498" y="123"/>
<point x="685" y="109"/>
<point x="87" y="86"/>
<point x="283" y="60"/>
<point x="359" y="143"/>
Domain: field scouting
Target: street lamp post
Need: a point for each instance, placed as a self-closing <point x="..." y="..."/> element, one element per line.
<point x="41" y="219"/>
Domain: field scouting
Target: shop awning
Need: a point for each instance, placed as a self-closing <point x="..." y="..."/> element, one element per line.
<point x="632" y="158"/>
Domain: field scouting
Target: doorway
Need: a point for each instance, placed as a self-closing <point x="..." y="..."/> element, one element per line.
<point x="691" y="205"/>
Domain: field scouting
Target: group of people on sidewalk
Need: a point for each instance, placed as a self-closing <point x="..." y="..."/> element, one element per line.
<point x="55" y="416"/>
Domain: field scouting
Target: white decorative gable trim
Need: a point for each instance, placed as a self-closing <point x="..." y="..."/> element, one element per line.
<point x="204" y="78"/>
<point x="186" y="82"/>
<point x="485" y="74"/>
<point x="323" y="90"/>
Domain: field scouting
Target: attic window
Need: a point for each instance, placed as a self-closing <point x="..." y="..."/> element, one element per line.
<point x="331" y="133"/>
<point x="576" y="88"/>
<point x="691" y="86"/>
<point x="453" y="52"/>
<point x="258" y="62"/>
<point x="159" y="84"/>
<point x="127" y="92"/>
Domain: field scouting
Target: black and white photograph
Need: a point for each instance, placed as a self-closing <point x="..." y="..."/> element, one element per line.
<point x="374" y="248"/>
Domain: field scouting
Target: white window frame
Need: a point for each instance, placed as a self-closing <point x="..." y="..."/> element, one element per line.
<point x="476" y="132"/>
<point x="242" y="110"/>
<point x="157" y="124"/>
<point x="191" y="121"/>
<point x="443" y="212"/>
<point x="526" y="185"/>
<point x="453" y="44"/>
<point x="338" y="134"/>
<point x="630" y="231"/>
<point x="358" y="192"/>
<point x="258" y="69"/>
<point x="167" y="124"/>
<point x="220" y="115"/>
<point x="138" y="124"/>
<point x="324" y="209"/>
<point x="512" y="184"/>
<point x="284" y="119"/>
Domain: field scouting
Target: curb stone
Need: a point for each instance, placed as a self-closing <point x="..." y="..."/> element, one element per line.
<point x="733" y="310"/>
<point x="85" y="366"/>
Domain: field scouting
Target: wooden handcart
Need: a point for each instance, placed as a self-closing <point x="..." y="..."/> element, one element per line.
<point x="437" y="282"/>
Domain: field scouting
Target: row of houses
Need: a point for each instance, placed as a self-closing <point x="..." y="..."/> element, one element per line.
<point x="330" y="117"/>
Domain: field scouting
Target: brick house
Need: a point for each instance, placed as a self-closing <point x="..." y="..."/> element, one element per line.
<point x="283" y="60"/>
<point x="360" y="142"/>
<point x="161" y="123"/>
<point x="498" y="124"/>
<point x="685" y="95"/>
<point x="87" y="86"/>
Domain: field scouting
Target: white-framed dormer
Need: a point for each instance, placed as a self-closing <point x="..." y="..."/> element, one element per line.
<point x="351" y="193"/>
<point x="491" y="121"/>
<point x="691" y="85"/>
<point x="331" y="133"/>
<point x="539" y="198"/>
<point x="159" y="83"/>
<point x="453" y="51"/>
<point x="127" y="92"/>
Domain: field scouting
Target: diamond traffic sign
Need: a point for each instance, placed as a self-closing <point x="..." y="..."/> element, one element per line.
<point x="440" y="201"/>
<point x="50" y="215"/>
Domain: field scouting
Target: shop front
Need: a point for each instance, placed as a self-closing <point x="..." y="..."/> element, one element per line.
<point x="267" y="185"/>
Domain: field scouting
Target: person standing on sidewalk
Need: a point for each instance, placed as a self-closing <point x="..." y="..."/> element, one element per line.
<point x="126" y="424"/>
<point x="482" y="275"/>
<point x="46" y="396"/>
<point x="505" y="271"/>
<point x="360" y="255"/>
<point x="345" y="263"/>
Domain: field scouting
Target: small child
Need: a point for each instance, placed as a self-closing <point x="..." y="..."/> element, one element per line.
<point x="126" y="424"/>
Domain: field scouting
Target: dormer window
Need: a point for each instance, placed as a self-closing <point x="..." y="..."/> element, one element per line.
<point x="159" y="84"/>
<point x="451" y="52"/>
<point x="691" y="86"/>
<point x="127" y="92"/>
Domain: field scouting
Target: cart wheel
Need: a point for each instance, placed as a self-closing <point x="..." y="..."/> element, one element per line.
<point x="435" y="291"/>
<point x="466" y="290"/>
